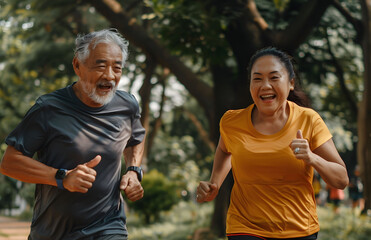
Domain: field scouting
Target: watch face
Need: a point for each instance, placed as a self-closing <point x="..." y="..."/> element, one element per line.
<point x="140" y="174"/>
<point x="138" y="170"/>
<point x="61" y="173"/>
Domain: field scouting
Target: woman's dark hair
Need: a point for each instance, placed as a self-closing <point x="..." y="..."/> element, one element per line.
<point x="297" y="95"/>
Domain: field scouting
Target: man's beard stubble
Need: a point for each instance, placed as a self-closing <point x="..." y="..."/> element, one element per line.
<point x="91" y="91"/>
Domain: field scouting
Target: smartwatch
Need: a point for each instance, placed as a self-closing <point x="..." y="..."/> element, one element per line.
<point x="138" y="170"/>
<point x="59" y="176"/>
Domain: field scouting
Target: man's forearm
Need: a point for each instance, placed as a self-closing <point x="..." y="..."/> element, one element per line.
<point x="133" y="155"/>
<point x="14" y="164"/>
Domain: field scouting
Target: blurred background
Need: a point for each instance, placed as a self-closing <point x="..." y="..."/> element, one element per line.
<point x="187" y="65"/>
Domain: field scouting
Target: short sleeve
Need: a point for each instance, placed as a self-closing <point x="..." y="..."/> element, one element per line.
<point x="138" y="131"/>
<point x="320" y="132"/>
<point x="29" y="136"/>
<point x="223" y="125"/>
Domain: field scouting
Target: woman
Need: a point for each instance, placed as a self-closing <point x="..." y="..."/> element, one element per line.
<point x="272" y="147"/>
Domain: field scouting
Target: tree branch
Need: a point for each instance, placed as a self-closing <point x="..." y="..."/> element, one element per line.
<point x="300" y="27"/>
<point x="357" y="23"/>
<point x="203" y="133"/>
<point x="137" y="35"/>
<point x="340" y="74"/>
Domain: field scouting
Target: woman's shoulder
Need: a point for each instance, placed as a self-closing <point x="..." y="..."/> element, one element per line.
<point x="303" y="111"/>
<point x="236" y="114"/>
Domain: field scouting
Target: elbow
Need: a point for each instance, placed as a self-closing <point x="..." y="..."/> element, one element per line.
<point x="342" y="184"/>
<point x="5" y="166"/>
<point x="342" y="180"/>
<point x="339" y="182"/>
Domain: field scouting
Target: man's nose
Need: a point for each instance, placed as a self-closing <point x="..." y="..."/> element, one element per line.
<point x="109" y="73"/>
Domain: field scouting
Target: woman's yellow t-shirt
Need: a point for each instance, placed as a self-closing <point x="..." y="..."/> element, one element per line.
<point x="272" y="194"/>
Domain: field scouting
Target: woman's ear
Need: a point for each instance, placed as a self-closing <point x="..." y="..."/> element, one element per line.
<point x="292" y="84"/>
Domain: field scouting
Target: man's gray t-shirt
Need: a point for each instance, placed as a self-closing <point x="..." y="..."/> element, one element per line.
<point x="64" y="132"/>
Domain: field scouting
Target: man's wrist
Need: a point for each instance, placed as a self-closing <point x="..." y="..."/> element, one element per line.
<point x="137" y="170"/>
<point x="59" y="176"/>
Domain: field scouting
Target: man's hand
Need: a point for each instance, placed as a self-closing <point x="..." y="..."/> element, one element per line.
<point x="206" y="191"/>
<point x="81" y="178"/>
<point x="131" y="186"/>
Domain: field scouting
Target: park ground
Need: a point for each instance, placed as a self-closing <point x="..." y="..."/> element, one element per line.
<point x="344" y="226"/>
<point x="13" y="229"/>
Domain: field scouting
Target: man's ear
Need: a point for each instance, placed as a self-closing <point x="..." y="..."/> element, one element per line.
<point x="75" y="62"/>
<point x="76" y="66"/>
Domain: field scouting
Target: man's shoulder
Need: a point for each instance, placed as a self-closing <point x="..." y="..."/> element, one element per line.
<point x="123" y="93"/>
<point x="125" y="96"/>
<point x="55" y="93"/>
<point x="59" y="98"/>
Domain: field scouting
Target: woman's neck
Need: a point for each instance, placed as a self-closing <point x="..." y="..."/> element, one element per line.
<point x="270" y="123"/>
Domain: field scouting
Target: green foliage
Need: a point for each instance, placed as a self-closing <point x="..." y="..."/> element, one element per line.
<point x="187" y="217"/>
<point x="345" y="226"/>
<point x="178" y="224"/>
<point x="27" y="192"/>
<point x="189" y="30"/>
<point x="159" y="195"/>
<point x="281" y="4"/>
<point x="8" y="192"/>
<point x="320" y="77"/>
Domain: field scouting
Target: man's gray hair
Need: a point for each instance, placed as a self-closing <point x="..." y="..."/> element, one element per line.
<point x="111" y="35"/>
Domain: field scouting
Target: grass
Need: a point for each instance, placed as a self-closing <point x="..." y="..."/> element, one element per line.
<point x="347" y="225"/>
<point x="187" y="217"/>
<point x="178" y="224"/>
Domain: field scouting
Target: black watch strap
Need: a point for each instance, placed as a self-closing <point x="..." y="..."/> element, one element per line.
<point x="138" y="170"/>
<point x="59" y="176"/>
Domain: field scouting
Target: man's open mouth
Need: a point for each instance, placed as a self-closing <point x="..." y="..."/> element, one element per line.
<point x="107" y="86"/>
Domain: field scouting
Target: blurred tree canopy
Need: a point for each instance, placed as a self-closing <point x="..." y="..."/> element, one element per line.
<point x="188" y="64"/>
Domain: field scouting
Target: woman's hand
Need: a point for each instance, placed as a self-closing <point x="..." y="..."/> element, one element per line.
<point x="206" y="191"/>
<point x="325" y="159"/>
<point x="300" y="148"/>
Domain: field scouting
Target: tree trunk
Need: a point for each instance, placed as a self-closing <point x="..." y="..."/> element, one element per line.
<point x="221" y="204"/>
<point x="145" y="95"/>
<point x="364" y="126"/>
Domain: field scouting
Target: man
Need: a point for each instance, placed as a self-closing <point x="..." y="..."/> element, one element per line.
<point x="79" y="133"/>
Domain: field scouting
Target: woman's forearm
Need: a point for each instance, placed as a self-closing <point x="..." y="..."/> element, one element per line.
<point x="328" y="163"/>
<point x="222" y="164"/>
